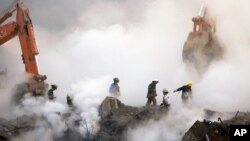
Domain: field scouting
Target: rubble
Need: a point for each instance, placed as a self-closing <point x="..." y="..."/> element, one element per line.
<point x="34" y="85"/>
<point x="116" y="120"/>
<point x="113" y="124"/>
<point x="14" y="127"/>
<point x="10" y="129"/>
<point x="213" y="130"/>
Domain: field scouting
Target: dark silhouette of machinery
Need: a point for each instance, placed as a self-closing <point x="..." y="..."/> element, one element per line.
<point x="202" y="45"/>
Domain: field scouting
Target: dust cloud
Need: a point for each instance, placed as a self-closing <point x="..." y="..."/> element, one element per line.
<point x="224" y="87"/>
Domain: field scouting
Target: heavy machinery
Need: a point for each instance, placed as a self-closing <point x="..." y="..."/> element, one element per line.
<point x="202" y="45"/>
<point x="23" y="28"/>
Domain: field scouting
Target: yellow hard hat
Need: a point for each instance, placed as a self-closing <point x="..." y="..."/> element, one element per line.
<point x="190" y="83"/>
<point x="165" y="90"/>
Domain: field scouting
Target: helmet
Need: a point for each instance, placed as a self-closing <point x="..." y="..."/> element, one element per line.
<point x="190" y="83"/>
<point x="44" y="77"/>
<point x="54" y="86"/>
<point x="116" y="79"/>
<point x="155" y="80"/>
<point x="165" y="90"/>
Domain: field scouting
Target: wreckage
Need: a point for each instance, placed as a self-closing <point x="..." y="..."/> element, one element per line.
<point x="117" y="119"/>
<point x="215" y="130"/>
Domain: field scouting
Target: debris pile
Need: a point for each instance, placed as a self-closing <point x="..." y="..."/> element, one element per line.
<point x="215" y="131"/>
<point x="116" y="120"/>
<point x="35" y="85"/>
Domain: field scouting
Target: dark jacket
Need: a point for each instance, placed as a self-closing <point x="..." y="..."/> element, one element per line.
<point x="51" y="93"/>
<point x="185" y="89"/>
<point x="151" y="90"/>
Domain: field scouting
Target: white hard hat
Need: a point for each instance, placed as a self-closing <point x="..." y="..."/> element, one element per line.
<point x="155" y="80"/>
<point x="165" y="90"/>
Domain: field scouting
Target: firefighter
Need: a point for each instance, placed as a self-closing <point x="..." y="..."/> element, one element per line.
<point x="114" y="88"/>
<point x="165" y="100"/>
<point x="69" y="101"/>
<point x="51" y="92"/>
<point x="151" y="95"/>
<point x="186" y="91"/>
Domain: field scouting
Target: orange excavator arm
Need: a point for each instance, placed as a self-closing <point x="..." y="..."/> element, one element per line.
<point x="24" y="29"/>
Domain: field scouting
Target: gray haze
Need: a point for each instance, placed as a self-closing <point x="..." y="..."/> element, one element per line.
<point x="64" y="16"/>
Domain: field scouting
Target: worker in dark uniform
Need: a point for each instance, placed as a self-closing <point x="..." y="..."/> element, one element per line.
<point x="151" y="95"/>
<point x="69" y="101"/>
<point x="186" y="91"/>
<point x="51" y="92"/>
<point x="114" y="88"/>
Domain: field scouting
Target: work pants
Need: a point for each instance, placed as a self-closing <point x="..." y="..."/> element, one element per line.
<point x="150" y="100"/>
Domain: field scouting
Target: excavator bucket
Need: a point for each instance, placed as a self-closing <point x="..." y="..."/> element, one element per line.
<point x="202" y="45"/>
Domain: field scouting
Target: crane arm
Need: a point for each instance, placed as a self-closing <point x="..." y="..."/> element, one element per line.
<point x="9" y="12"/>
<point x="27" y="39"/>
<point x="5" y="17"/>
<point x="24" y="29"/>
<point x="8" y="31"/>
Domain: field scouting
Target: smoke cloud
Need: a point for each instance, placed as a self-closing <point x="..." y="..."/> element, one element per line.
<point x="227" y="80"/>
<point x="224" y="86"/>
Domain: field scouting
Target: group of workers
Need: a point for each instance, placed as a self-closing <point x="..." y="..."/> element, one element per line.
<point x="114" y="90"/>
<point x="186" y="90"/>
<point x="151" y="95"/>
<point x="52" y="97"/>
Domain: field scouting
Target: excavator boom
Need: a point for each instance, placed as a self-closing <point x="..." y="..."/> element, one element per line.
<point x="24" y="29"/>
<point x="27" y="39"/>
<point x="5" y="17"/>
<point x="8" y="31"/>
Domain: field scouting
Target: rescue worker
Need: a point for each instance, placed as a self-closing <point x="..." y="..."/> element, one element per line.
<point x="114" y="88"/>
<point x="69" y="101"/>
<point x="51" y="92"/>
<point x="165" y="100"/>
<point x="186" y="91"/>
<point x="152" y="93"/>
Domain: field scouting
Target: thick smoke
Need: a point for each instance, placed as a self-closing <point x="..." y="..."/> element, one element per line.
<point x="54" y="118"/>
<point x="226" y="82"/>
<point x="224" y="86"/>
<point x="171" y="127"/>
<point x="85" y="14"/>
<point x="86" y="42"/>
